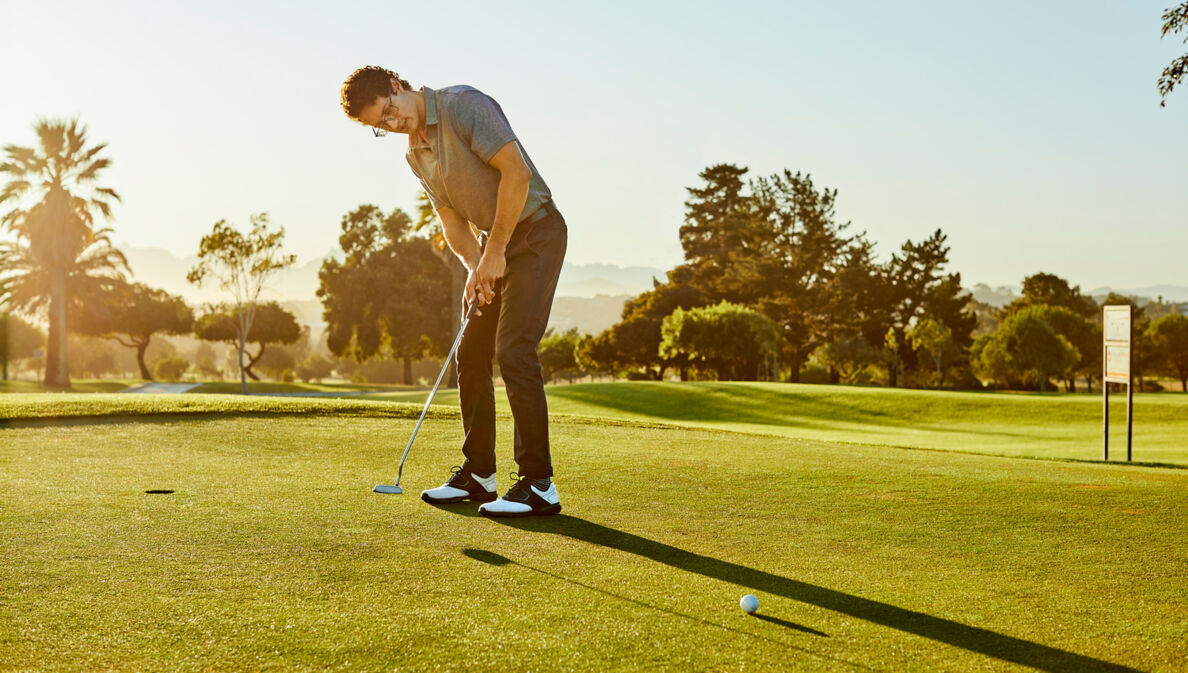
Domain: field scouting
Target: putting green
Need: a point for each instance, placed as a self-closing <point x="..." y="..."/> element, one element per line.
<point x="271" y="552"/>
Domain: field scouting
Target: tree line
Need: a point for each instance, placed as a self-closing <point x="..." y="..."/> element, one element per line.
<point x="772" y="287"/>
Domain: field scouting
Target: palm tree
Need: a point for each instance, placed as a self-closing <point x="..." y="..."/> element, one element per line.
<point x="58" y="256"/>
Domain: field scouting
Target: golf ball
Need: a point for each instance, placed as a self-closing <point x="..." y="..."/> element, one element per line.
<point x="749" y="604"/>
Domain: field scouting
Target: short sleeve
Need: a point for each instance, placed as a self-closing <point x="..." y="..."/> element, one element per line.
<point x="479" y="121"/>
<point x="437" y="203"/>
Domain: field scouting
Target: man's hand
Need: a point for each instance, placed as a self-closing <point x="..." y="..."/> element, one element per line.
<point x="483" y="280"/>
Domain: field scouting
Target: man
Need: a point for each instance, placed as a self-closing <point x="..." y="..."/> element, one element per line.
<point x="476" y="172"/>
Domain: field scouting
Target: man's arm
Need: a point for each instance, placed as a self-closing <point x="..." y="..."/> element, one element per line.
<point x="514" y="177"/>
<point x="460" y="237"/>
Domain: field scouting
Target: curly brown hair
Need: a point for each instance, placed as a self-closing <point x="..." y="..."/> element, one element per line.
<point x="364" y="86"/>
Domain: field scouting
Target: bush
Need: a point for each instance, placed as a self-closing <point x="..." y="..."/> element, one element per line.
<point x="170" y="368"/>
<point x="315" y="367"/>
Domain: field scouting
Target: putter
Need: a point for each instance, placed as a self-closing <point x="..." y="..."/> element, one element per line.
<point x="395" y="488"/>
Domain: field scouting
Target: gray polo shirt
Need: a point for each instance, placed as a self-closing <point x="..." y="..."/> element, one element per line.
<point x="466" y="128"/>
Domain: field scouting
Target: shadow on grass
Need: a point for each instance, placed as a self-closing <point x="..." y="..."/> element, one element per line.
<point x="491" y="558"/>
<point x="706" y="402"/>
<point x="971" y="638"/>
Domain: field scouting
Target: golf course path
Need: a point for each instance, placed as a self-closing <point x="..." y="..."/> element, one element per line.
<point x="160" y="388"/>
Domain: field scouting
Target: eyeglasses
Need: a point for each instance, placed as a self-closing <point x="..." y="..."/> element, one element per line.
<point x="380" y="132"/>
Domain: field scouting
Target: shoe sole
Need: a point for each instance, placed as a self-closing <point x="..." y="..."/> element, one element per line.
<point x="546" y="511"/>
<point x="489" y="497"/>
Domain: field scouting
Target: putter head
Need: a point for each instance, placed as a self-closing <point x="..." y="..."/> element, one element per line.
<point x="388" y="488"/>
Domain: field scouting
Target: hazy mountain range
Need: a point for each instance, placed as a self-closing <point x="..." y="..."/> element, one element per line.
<point x="589" y="296"/>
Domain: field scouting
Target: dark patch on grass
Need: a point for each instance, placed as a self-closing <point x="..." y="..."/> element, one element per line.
<point x="982" y="641"/>
<point x="485" y="556"/>
<point x="497" y="560"/>
<point x="159" y="491"/>
<point x="790" y="625"/>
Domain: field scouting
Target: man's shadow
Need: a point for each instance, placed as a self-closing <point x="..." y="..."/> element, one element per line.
<point x="971" y="638"/>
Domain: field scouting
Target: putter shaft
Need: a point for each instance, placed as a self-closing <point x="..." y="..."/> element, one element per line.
<point x="440" y="376"/>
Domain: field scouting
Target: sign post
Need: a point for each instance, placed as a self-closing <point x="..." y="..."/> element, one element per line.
<point x="1117" y="336"/>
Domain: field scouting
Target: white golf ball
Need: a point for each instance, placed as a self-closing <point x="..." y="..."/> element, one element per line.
<point x="749" y="604"/>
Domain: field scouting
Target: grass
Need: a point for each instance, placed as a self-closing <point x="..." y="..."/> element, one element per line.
<point x="262" y="387"/>
<point x="80" y="386"/>
<point x="1025" y="425"/>
<point x="271" y="553"/>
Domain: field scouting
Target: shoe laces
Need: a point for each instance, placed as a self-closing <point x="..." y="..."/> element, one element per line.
<point x="521" y="486"/>
<point x="456" y="475"/>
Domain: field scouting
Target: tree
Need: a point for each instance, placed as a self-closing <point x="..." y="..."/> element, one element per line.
<point x="727" y="341"/>
<point x="1175" y="19"/>
<point x="270" y="324"/>
<point x="1025" y="348"/>
<point x="1070" y="314"/>
<point x="206" y="361"/>
<point x="1052" y="290"/>
<point x="53" y="197"/>
<point x="18" y="340"/>
<point x="776" y="248"/>
<point x="314" y="368"/>
<point x="241" y="265"/>
<point x="427" y="223"/>
<point x="1170" y="333"/>
<point x="722" y="236"/>
<point x="915" y="287"/>
<point x="635" y="341"/>
<point x="558" y="354"/>
<point x="849" y="357"/>
<point x="136" y="312"/>
<point x="597" y="353"/>
<point x="391" y="292"/>
<point x="171" y="368"/>
<point x="935" y="339"/>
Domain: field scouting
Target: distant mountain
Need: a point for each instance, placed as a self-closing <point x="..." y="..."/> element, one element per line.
<point x="995" y="296"/>
<point x="1172" y="293"/>
<point x="590" y="315"/>
<point x="162" y="269"/>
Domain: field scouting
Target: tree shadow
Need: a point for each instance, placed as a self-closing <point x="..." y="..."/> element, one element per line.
<point x="971" y="638"/>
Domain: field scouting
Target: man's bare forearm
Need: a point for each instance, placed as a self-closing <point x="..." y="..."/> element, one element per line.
<point x="510" y="199"/>
<point x="460" y="237"/>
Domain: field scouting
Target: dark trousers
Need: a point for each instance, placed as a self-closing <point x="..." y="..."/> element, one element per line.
<point x="509" y="330"/>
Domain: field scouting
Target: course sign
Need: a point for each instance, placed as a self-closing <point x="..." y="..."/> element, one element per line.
<point x="1116" y="332"/>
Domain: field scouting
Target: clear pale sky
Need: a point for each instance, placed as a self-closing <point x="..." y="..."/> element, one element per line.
<point x="1030" y="132"/>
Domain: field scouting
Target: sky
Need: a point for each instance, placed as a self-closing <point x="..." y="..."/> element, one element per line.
<point x="1029" y="132"/>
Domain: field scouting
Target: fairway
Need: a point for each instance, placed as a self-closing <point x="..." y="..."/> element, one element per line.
<point x="1009" y="424"/>
<point x="271" y="552"/>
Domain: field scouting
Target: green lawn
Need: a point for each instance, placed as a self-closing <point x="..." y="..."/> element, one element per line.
<point x="271" y="553"/>
<point x="80" y="386"/>
<point x="1012" y="424"/>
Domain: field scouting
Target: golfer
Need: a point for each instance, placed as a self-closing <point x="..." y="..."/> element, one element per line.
<point x="477" y="174"/>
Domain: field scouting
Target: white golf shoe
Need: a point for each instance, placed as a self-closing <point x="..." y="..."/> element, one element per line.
<point x="528" y="497"/>
<point x="462" y="485"/>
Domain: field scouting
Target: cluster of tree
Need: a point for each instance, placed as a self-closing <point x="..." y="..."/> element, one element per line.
<point x="1054" y="333"/>
<point x="392" y="296"/>
<point x="772" y="249"/>
<point x="771" y="252"/>
<point x="60" y="267"/>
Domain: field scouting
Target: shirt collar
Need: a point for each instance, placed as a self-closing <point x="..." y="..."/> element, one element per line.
<point x="430" y="106"/>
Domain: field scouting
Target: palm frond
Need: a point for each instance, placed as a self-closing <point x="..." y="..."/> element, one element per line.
<point x="89" y="171"/>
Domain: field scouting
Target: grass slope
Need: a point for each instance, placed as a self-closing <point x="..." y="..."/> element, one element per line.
<point x="272" y="553"/>
<point x="1044" y="426"/>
